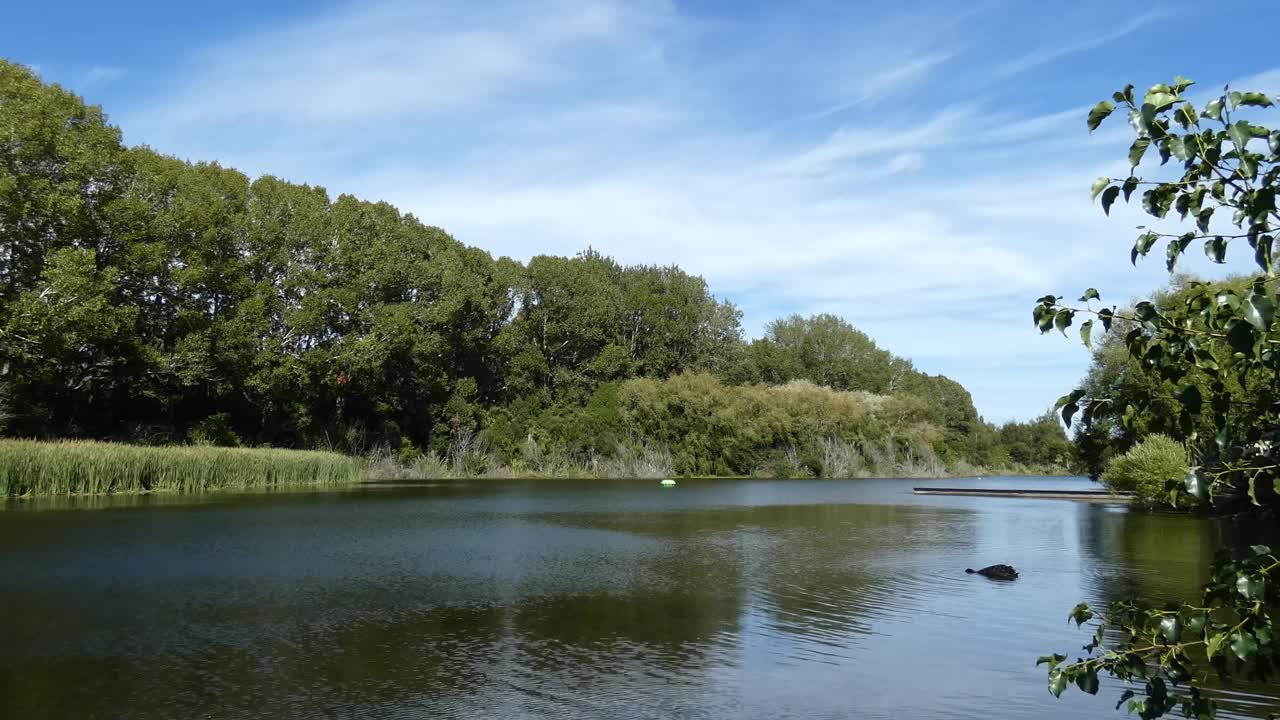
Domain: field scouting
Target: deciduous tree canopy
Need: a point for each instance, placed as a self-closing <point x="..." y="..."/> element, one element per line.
<point x="149" y="299"/>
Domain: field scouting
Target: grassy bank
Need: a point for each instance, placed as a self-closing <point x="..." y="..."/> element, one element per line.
<point x="94" y="468"/>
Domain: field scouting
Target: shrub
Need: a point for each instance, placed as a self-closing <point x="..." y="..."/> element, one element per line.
<point x="1147" y="469"/>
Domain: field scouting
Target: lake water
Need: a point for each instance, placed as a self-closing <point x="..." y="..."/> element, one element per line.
<point x="584" y="599"/>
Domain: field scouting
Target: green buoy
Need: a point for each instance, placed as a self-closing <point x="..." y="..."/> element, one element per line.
<point x="668" y="483"/>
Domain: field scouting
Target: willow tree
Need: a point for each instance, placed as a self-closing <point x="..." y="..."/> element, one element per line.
<point x="1221" y="196"/>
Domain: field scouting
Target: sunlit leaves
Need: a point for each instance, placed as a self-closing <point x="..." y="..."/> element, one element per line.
<point x="1098" y="186"/>
<point x="1137" y="150"/>
<point x="1215" y="248"/>
<point x="1253" y="99"/>
<point x="1099" y="113"/>
<point x="1160" y="97"/>
<point x="1240" y="133"/>
<point x="1259" y="310"/>
<point x="1142" y="246"/>
<point x="1062" y="320"/>
<point x="1081" y="614"/>
<point x="1057" y="682"/>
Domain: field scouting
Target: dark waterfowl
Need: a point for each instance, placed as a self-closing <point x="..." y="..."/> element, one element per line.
<point x="995" y="572"/>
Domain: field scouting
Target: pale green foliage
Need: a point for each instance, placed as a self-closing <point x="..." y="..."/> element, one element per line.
<point x="1148" y="468"/>
<point x="83" y="467"/>
<point x="716" y="429"/>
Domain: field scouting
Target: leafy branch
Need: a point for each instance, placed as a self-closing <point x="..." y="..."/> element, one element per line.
<point x="1216" y="344"/>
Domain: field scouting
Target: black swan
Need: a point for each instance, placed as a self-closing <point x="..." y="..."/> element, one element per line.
<point x="995" y="572"/>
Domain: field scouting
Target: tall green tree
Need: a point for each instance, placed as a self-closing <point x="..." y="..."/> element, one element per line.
<point x="1223" y="188"/>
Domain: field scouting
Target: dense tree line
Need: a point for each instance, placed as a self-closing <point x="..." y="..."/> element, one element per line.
<point x="150" y="299"/>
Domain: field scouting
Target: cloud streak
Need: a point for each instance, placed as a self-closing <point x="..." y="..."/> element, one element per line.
<point x="899" y="196"/>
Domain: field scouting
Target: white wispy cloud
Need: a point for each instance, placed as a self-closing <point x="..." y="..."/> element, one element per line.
<point x="99" y="74"/>
<point x="895" y="195"/>
<point x="1095" y="40"/>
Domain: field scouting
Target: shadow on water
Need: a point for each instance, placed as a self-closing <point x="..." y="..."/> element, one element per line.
<point x="567" y="600"/>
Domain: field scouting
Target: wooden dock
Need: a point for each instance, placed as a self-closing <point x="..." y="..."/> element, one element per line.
<point x="1080" y="495"/>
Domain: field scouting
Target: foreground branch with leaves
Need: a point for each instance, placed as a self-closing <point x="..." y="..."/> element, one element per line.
<point x="1220" y="349"/>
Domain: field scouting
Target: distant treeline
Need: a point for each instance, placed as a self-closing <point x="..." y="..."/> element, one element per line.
<point x="148" y="299"/>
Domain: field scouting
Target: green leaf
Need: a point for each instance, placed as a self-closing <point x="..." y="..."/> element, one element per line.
<point x="1244" y="645"/>
<point x="1181" y="149"/>
<point x="1109" y="197"/>
<point x="1214" y="109"/>
<point x="1262" y="253"/>
<point x="1138" y="149"/>
<point x="1171" y="629"/>
<point x="1105" y="315"/>
<point x="1195" y="625"/>
<point x="1215" y="249"/>
<point x="1099" y="113"/>
<point x="1254" y="99"/>
<point x="1186" y="115"/>
<point x="1057" y="682"/>
<point x="1160" y="97"/>
<point x="1098" y="186"/>
<point x="1176" y="248"/>
<point x="1259" y="311"/>
<point x="1062" y="320"/>
<point x="1090" y="294"/>
<point x="1130" y="184"/>
<point x="1214" y="645"/>
<point x="1252" y="587"/>
<point x="1191" y="399"/>
<point x="1248" y="167"/>
<point x="1240" y="134"/>
<point x="1088" y="681"/>
<point x="1086" y="331"/>
<point x="1053" y="660"/>
<point x="1081" y="614"/>
<point x="1240" y="337"/>
<point x="1142" y="246"/>
<point x="1068" y="411"/>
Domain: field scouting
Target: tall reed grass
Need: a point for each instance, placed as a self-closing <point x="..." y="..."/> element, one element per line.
<point x="30" y="467"/>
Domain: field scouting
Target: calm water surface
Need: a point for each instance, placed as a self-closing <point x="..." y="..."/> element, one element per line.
<point x="586" y="599"/>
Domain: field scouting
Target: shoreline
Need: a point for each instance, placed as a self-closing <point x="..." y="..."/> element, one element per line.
<point x="389" y="484"/>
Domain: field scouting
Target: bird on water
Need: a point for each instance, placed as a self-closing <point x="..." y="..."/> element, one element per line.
<point x="995" y="572"/>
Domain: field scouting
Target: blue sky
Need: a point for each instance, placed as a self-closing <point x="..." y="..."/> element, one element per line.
<point x="920" y="168"/>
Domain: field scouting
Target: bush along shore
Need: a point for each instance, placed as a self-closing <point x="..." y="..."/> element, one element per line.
<point x="695" y="425"/>
<point x="95" y="468"/>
